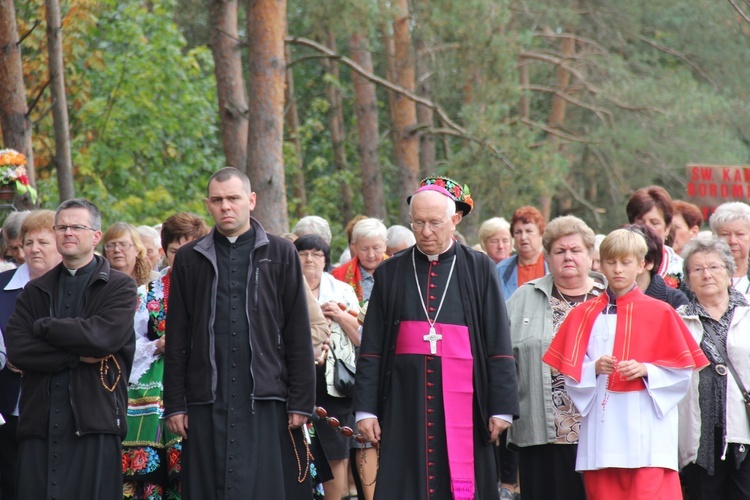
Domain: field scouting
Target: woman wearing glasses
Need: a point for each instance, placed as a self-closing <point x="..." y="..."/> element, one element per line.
<point x="125" y="252"/>
<point x="341" y="306"/>
<point x="714" y="437"/>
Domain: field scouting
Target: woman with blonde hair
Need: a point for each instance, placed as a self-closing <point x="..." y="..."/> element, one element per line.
<point x="124" y="250"/>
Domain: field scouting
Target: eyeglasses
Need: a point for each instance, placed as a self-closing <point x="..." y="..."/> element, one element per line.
<point x="419" y="225"/>
<point x="122" y="245"/>
<point x="74" y="228"/>
<point x="711" y="269"/>
<point x="334" y="423"/>
<point x="309" y="253"/>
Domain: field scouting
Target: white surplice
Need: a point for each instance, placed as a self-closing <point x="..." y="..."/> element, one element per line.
<point x="632" y="429"/>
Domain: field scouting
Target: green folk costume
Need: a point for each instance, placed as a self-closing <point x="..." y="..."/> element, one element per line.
<point x="151" y="454"/>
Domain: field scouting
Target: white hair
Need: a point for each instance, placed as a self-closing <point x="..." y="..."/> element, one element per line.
<point x="398" y="236"/>
<point x="369" y="228"/>
<point x="149" y="233"/>
<point x="729" y="212"/>
<point x="312" y="224"/>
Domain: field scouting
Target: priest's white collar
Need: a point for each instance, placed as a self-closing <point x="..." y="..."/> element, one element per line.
<point x="435" y="257"/>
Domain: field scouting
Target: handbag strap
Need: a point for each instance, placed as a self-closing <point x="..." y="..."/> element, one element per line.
<point x="712" y="335"/>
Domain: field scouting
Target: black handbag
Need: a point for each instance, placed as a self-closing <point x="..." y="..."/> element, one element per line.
<point x="745" y="395"/>
<point x="343" y="375"/>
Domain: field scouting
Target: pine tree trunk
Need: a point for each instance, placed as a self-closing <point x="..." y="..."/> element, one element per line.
<point x="63" y="157"/>
<point x="366" y="108"/>
<point x="14" y="122"/>
<point x="291" y="118"/>
<point x="336" y="128"/>
<point x="230" y="84"/>
<point x="405" y="116"/>
<point x="266" y="26"/>
<point x="424" y="113"/>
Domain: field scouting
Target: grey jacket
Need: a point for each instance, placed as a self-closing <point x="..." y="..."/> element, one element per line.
<point x="531" y="332"/>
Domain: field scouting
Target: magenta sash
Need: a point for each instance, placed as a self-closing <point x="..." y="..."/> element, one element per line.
<point x="458" y="394"/>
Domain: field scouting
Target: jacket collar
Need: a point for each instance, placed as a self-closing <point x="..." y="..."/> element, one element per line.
<point x="48" y="281"/>
<point x="206" y="244"/>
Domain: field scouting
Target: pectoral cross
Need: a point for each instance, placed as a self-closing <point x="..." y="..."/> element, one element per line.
<point x="432" y="338"/>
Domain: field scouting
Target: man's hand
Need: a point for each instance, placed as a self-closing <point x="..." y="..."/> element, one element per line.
<point x="90" y="360"/>
<point x="497" y="426"/>
<point x="296" y="420"/>
<point x="370" y="429"/>
<point x="178" y="424"/>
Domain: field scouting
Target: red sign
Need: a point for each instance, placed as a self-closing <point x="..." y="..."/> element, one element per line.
<point x="711" y="185"/>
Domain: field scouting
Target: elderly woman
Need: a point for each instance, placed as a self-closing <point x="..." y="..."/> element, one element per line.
<point x="36" y="240"/>
<point x="494" y="237"/>
<point x="341" y="306"/>
<point x="152" y="241"/>
<point x="526" y="227"/>
<point x="731" y="222"/>
<point x="652" y="206"/>
<point x="649" y="280"/>
<point x="369" y="242"/>
<point x="686" y="224"/>
<point x="714" y="437"/>
<point x="126" y="253"/>
<point x="158" y="475"/>
<point x="546" y="435"/>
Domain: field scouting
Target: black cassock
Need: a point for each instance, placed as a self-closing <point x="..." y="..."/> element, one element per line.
<point x="238" y="448"/>
<point x="65" y="466"/>
<point x="406" y="390"/>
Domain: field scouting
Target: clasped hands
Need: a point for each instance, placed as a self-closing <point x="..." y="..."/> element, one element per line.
<point x="629" y="369"/>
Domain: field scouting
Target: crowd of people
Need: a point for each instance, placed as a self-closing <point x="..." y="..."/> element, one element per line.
<point x="545" y="362"/>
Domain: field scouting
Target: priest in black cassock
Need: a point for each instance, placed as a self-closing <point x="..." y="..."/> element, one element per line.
<point x="436" y="381"/>
<point x="72" y="336"/>
<point x="239" y="379"/>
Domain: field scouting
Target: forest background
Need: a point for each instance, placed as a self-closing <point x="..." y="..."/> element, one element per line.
<point x="565" y="105"/>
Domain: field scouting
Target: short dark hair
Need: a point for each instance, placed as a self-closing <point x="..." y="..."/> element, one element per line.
<point x="655" y="252"/>
<point x="94" y="215"/>
<point x="182" y="225"/>
<point x="314" y="242"/>
<point x="644" y="199"/>
<point x="227" y="173"/>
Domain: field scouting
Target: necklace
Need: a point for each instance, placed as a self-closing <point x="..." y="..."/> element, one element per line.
<point x="433" y="337"/>
<point x="568" y="300"/>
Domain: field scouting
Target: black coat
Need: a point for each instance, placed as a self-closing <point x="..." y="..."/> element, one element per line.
<point x="42" y="345"/>
<point x="495" y="383"/>
<point x="282" y="365"/>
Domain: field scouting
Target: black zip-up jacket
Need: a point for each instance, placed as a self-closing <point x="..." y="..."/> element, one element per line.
<point x="282" y="363"/>
<point x="42" y="345"/>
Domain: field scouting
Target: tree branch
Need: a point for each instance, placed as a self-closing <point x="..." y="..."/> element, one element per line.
<point x="557" y="61"/>
<point x="580" y="199"/>
<point x="683" y="57"/>
<point x="739" y="11"/>
<point x="553" y="131"/>
<point x="579" y="39"/>
<point x="23" y="37"/>
<point x="305" y="42"/>
<point x="598" y="111"/>
<point x="36" y="99"/>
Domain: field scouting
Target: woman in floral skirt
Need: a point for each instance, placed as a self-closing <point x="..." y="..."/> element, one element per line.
<point x="151" y="454"/>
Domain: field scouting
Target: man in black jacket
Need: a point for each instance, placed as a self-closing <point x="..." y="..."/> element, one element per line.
<point x="72" y="336"/>
<point x="239" y="378"/>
